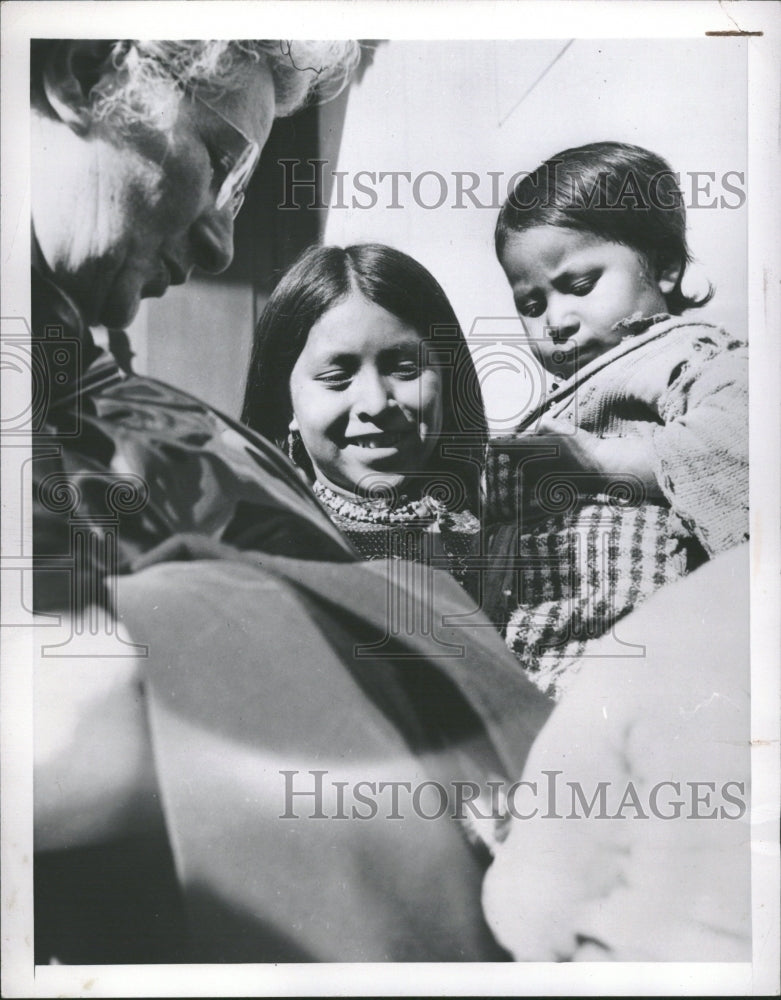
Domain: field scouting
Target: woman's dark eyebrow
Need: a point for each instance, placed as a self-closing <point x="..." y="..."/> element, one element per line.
<point x="343" y="358"/>
<point x="413" y="342"/>
<point x="347" y="357"/>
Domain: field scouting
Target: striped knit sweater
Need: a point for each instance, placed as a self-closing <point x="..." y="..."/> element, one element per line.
<point x="568" y="573"/>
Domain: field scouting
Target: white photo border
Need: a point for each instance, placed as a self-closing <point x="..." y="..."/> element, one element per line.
<point x="421" y="19"/>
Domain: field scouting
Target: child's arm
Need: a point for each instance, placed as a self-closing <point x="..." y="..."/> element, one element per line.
<point x="701" y="447"/>
<point x="547" y="470"/>
<point x="603" y="461"/>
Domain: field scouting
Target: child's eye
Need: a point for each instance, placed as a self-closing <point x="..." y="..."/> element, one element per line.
<point x="583" y="286"/>
<point x="532" y="308"/>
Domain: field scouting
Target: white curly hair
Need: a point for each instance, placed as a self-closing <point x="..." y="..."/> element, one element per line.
<point x="150" y="75"/>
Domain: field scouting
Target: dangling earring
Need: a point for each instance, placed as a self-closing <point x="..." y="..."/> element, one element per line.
<point x="295" y="448"/>
<point x="292" y="440"/>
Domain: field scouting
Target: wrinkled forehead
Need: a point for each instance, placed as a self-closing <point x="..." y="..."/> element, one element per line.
<point x="248" y="101"/>
<point x="146" y="98"/>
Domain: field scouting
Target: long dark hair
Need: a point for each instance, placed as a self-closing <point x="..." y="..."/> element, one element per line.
<point x="321" y="278"/>
<point x="622" y="193"/>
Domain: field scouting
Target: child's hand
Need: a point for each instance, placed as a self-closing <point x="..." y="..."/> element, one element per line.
<point x="585" y="464"/>
<point x="578" y="450"/>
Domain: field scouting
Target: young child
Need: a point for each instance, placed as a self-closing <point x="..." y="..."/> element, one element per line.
<point x="634" y="470"/>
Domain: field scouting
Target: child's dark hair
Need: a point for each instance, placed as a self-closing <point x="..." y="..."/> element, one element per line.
<point x="323" y="277"/>
<point x="622" y="193"/>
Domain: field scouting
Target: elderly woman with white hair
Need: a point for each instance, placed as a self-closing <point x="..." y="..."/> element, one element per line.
<point x="264" y="652"/>
<point x="142" y="154"/>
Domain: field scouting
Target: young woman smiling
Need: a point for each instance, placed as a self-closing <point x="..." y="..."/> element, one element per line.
<point x="361" y="373"/>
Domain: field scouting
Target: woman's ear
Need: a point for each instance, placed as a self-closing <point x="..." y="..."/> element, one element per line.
<point x="71" y="71"/>
<point x="667" y="277"/>
<point x="293" y="425"/>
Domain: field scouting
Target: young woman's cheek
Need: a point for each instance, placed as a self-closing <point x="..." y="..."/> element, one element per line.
<point x="430" y="398"/>
<point x="332" y="412"/>
<point x="317" y="408"/>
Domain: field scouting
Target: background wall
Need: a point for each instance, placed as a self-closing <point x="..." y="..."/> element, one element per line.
<point x="479" y="107"/>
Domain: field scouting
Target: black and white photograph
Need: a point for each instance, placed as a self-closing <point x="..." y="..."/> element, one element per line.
<point x="390" y="490"/>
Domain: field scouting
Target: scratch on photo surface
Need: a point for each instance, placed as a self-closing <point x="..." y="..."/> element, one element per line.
<point x="715" y="696"/>
<point x="531" y="87"/>
<point x="737" y="33"/>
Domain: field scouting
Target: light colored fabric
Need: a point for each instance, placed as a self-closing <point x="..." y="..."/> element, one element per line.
<point x="642" y="889"/>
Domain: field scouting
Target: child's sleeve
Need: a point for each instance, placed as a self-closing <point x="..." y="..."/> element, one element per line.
<point x="701" y="447"/>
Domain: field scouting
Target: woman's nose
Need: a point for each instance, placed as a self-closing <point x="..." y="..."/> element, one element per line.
<point x="372" y="395"/>
<point x="211" y="236"/>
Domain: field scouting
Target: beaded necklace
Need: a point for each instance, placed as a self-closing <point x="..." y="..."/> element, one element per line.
<point x="374" y="510"/>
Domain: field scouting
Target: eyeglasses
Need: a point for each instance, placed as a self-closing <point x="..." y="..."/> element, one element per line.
<point x="234" y="158"/>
